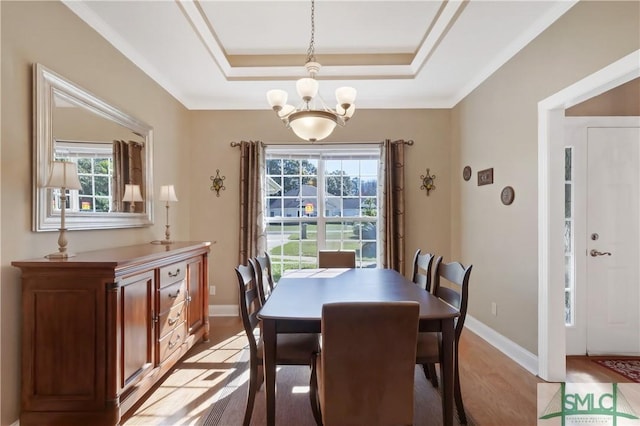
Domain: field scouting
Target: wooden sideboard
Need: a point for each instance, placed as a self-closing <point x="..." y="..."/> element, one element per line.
<point x="101" y="328"/>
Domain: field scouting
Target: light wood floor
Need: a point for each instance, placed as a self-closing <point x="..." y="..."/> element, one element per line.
<point x="496" y="390"/>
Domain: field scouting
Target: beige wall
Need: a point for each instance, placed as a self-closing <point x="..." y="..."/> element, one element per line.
<point x="623" y="100"/>
<point x="496" y="126"/>
<point x="47" y="32"/>
<point x="216" y="219"/>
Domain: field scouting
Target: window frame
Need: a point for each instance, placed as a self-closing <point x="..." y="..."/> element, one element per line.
<point x="323" y="154"/>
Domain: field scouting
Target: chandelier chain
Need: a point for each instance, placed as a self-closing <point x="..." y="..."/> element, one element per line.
<point x="312" y="120"/>
<point x="311" y="52"/>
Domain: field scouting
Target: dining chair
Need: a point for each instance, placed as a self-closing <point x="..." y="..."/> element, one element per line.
<point x="455" y="293"/>
<point x="421" y="274"/>
<point x="336" y="259"/>
<point x="364" y="374"/>
<point x="264" y="274"/>
<point x="292" y="349"/>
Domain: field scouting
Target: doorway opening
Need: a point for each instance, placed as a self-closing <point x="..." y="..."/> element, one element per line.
<point x="551" y="311"/>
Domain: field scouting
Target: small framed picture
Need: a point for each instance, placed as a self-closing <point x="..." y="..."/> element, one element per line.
<point x="485" y="177"/>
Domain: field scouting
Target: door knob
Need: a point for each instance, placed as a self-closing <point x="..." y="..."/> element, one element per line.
<point x="595" y="253"/>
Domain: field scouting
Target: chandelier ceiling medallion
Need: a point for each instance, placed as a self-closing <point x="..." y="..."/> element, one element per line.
<point x="312" y="119"/>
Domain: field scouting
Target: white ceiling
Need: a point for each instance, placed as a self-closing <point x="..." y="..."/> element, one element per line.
<point x="226" y="54"/>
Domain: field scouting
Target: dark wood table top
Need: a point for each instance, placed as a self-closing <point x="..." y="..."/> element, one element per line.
<point x="299" y="295"/>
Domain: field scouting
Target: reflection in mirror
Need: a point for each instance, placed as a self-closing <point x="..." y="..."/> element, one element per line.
<point x="111" y="149"/>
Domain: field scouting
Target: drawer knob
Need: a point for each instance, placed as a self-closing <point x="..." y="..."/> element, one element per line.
<point x="175" y="274"/>
<point x="171" y="345"/>
<point x="174" y="296"/>
<point x="174" y="320"/>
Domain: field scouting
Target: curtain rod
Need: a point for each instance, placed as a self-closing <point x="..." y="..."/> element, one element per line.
<point x="409" y="142"/>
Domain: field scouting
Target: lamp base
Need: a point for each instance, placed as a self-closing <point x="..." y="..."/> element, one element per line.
<point x="59" y="255"/>
<point x="163" y="242"/>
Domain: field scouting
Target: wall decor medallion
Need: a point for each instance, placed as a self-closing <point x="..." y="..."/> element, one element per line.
<point x="427" y="182"/>
<point x="507" y="195"/>
<point x="217" y="183"/>
<point x="485" y="177"/>
<point x="466" y="173"/>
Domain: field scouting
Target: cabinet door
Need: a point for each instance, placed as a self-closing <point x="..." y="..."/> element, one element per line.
<point x="137" y="328"/>
<point x="63" y="342"/>
<point x="196" y="314"/>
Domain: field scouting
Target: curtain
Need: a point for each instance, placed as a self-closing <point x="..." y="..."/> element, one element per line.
<point x="252" y="229"/>
<point x="392" y="209"/>
<point x="128" y="168"/>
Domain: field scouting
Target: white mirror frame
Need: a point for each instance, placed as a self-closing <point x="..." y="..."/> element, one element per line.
<point x="46" y="84"/>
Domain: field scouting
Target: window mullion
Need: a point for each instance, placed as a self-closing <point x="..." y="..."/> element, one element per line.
<point x="322" y="222"/>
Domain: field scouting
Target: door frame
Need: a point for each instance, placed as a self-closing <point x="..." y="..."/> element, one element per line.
<point x="551" y="329"/>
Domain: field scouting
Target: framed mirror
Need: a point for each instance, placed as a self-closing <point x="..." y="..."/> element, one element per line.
<point x="110" y="148"/>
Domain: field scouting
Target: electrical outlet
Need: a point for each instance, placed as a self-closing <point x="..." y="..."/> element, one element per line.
<point x="212" y="290"/>
<point x="494" y="309"/>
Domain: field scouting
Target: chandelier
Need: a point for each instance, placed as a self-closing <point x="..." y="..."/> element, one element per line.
<point x="312" y="119"/>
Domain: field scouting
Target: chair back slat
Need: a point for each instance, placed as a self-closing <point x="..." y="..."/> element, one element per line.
<point x="336" y="259"/>
<point x="456" y="290"/>
<point x="422" y="264"/>
<point x="262" y="266"/>
<point x="249" y="302"/>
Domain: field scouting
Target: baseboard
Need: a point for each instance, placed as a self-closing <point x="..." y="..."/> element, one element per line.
<point x="511" y="349"/>
<point x="223" y="311"/>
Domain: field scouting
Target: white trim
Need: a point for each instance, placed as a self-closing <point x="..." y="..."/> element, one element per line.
<point x="551" y="330"/>
<point x="511" y="349"/>
<point x="224" y="311"/>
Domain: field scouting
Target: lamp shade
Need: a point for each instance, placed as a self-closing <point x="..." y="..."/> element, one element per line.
<point x="307" y="88"/>
<point x="346" y="96"/>
<point x="312" y="125"/>
<point x="167" y="193"/>
<point x="64" y="174"/>
<point x="277" y="98"/>
<point x="132" y="193"/>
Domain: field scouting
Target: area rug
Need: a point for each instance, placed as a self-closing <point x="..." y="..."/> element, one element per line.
<point x="292" y="401"/>
<point x="629" y="368"/>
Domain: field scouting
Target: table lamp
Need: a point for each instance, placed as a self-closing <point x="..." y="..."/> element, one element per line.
<point x="131" y="195"/>
<point x="167" y="193"/>
<point x="64" y="175"/>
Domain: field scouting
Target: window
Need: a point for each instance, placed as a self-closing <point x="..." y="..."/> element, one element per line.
<point x="321" y="198"/>
<point x="569" y="252"/>
<point x="95" y="171"/>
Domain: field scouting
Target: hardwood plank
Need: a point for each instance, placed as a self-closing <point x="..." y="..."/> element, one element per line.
<point x="496" y="390"/>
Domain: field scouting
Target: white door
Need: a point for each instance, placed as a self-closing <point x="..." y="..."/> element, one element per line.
<point x="612" y="241"/>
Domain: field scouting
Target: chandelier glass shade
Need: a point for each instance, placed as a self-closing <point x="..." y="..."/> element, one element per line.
<point x="312" y="120"/>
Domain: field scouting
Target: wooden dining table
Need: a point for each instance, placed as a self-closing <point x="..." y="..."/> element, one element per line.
<point x="295" y="306"/>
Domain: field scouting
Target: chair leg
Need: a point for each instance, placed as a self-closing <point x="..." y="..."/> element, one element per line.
<point x="430" y="373"/>
<point x="425" y="370"/>
<point x="458" y="396"/>
<point x="313" y="393"/>
<point x="260" y="379"/>
<point x="253" y="388"/>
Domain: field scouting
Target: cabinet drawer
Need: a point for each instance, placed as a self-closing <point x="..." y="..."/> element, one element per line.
<point x="172" y="295"/>
<point x="172" y="340"/>
<point x="173" y="273"/>
<point x="172" y="318"/>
